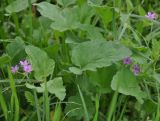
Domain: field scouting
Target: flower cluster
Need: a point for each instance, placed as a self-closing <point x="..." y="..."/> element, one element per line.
<point x="135" y="68"/>
<point x="151" y="15"/>
<point x="27" y="68"/>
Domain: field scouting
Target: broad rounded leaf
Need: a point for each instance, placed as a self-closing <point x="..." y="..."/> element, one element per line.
<point x="63" y="19"/>
<point x="126" y="83"/>
<point x="69" y="19"/>
<point x="56" y="87"/>
<point x="16" y="50"/>
<point x="96" y="54"/>
<point x="18" y="6"/>
<point x="48" y="10"/>
<point x="42" y="65"/>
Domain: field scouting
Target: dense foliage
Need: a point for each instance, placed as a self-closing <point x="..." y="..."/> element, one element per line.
<point x="79" y="60"/>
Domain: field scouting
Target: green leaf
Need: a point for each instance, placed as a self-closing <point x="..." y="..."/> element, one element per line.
<point x="56" y="87"/>
<point x="18" y="6"/>
<point x="42" y="65"/>
<point x="70" y="18"/>
<point x="67" y="20"/>
<point x="4" y="59"/>
<point x="86" y="85"/>
<point x="75" y="107"/>
<point x="95" y="2"/>
<point x="57" y="113"/>
<point x="48" y="10"/>
<point x="75" y="70"/>
<point x="29" y="97"/>
<point x="96" y="54"/>
<point x="53" y="50"/>
<point x="126" y="83"/>
<point x="3" y="104"/>
<point x="66" y="2"/>
<point x="104" y="12"/>
<point x="38" y="89"/>
<point x="155" y="49"/>
<point x="129" y="5"/>
<point x="16" y="50"/>
<point x="63" y="19"/>
<point x="156" y="76"/>
<point x="106" y="18"/>
<point x="93" y="33"/>
<point x="44" y="22"/>
<point x="141" y="10"/>
<point x="149" y="106"/>
<point x="102" y="78"/>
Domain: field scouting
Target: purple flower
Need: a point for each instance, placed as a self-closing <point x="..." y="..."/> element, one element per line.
<point x="27" y="68"/>
<point x="14" y="69"/>
<point x="127" y="61"/>
<point x="136" y="69"/>
<point x="151" y="15"/>
<point x="24" y="63"/>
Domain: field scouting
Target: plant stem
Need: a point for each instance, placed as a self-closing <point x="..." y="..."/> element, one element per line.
<point x="47" y="108"/>
<point x="30" y="21"/>
<point x="84" y="104"/>
<point x="112" y="106"/>
<point x="114" y="22"/>
<point x="37" y="105"/>
<point x="3" y="105"/>
<point x="14" y="101"/>
<point x="97" y="108"/>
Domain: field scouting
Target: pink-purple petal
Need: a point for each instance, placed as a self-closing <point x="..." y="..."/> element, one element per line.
<point x="27" y="68"/>
<point x="151" y="15"/>
<point x="136" y="69"/>
<point x="24" y="63"/>
<point x="127" y="61"/>
<point x="14" y="69"/>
